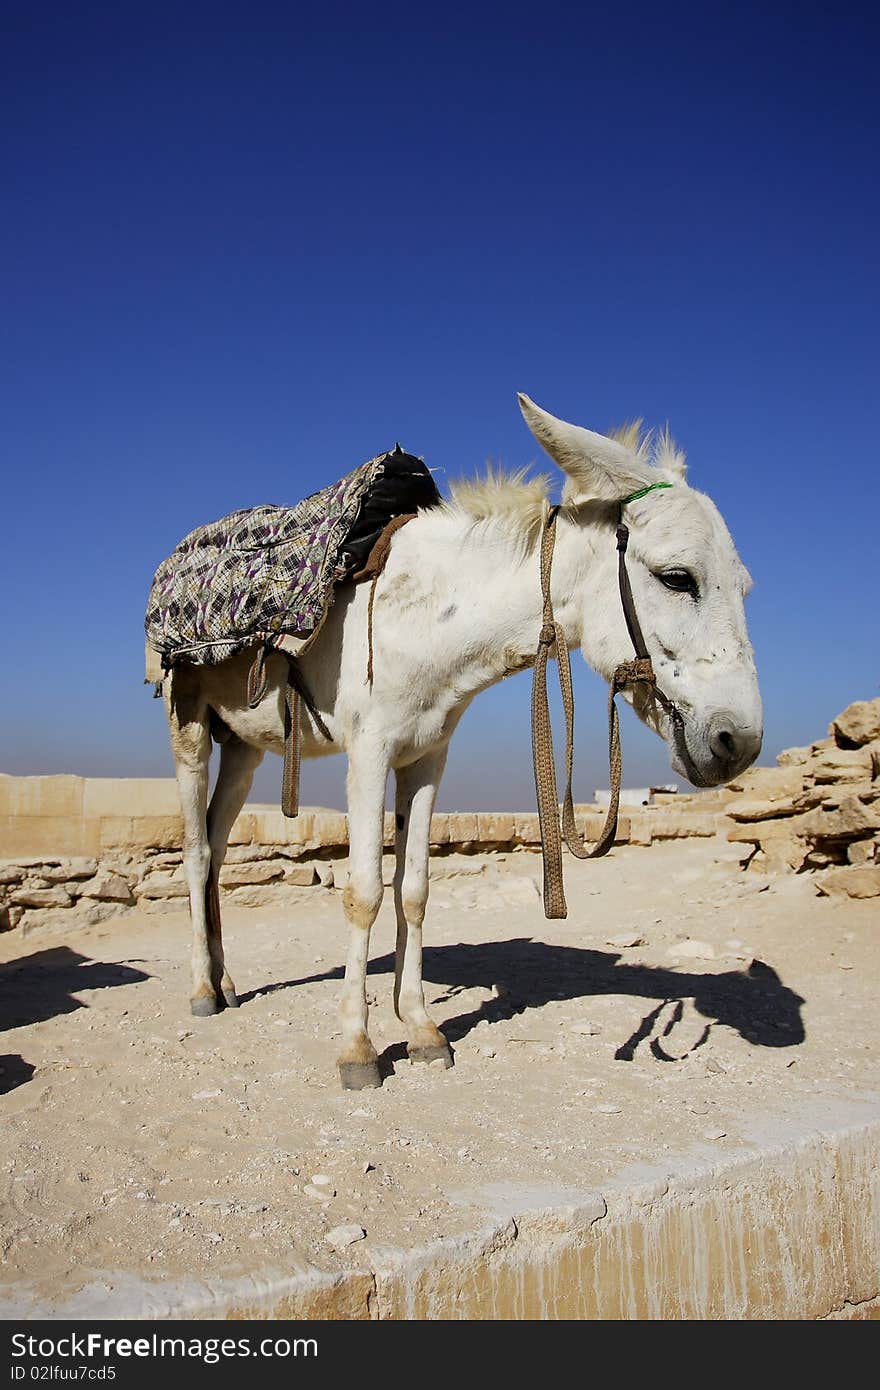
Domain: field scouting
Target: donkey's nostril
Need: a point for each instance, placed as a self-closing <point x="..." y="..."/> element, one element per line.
<point x="724" y="745"/>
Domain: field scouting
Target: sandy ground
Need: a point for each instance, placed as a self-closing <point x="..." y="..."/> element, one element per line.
<point x="682" y="1006"/>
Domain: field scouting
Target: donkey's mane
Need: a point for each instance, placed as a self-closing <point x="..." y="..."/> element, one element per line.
<point x="521" y="500"/>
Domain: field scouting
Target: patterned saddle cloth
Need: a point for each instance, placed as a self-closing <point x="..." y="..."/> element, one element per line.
<point x="266" y="575"/>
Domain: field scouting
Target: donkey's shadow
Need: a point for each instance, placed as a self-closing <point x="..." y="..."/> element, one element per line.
<point x="530" y="974"/>
<point x="39" y="986"/>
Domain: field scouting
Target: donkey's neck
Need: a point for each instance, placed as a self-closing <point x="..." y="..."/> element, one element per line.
<point x="479" y="584"/>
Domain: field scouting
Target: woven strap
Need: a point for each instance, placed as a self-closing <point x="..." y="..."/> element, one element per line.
<point x="292" y="752"/>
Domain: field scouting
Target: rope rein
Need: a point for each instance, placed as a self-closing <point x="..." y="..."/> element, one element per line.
<point x="638" y="672"/>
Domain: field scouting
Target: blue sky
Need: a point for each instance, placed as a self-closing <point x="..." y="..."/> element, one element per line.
<point x="245" y="248"/>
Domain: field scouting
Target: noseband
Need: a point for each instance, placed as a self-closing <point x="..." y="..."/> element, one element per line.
<point x="639" y="672"/>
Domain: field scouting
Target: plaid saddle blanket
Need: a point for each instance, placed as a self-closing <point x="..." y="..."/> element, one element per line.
<point x="266" y="575"/>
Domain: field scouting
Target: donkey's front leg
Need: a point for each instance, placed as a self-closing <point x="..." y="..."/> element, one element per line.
<point x="416" y="793"/>
<point x="367" y="775"/>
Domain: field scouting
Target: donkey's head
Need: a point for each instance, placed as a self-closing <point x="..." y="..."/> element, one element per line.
<point x="688" y="584"/>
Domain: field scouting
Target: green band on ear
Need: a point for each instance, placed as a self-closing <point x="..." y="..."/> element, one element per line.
<point x="642" y="492"/>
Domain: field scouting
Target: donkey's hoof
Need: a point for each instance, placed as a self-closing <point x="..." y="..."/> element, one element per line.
<point x="231" y="999"/>
<point x="204" y="1007"/>
<point x="437" y="1051"/>
<point x="357" y="1076"/>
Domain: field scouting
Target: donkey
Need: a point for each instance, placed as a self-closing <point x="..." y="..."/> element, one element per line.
<point x="457" y="608"/>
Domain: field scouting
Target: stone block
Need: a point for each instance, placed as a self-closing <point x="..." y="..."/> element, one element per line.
<point x="330" y="829"/>
<point x="527" y="828"/>
<point x="58" y="796"/>
<point x="262" y="871"/>
<point x="439" y="829"/>
<point x="681" y="824"/>
<point x="138" y="832"/>
<point x="640" y="829"/>
<point x="495" y="827"/>
<point x="462" y="828"/>
<point x="134" y="797"/>
<point x="49" y="835"/>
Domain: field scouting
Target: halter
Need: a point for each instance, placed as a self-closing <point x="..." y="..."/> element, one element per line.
<point x="637" y="672"/>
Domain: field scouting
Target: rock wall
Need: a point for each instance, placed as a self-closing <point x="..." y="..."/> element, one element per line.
<point x="819" y="809"/>
<point x="78" y="850"/>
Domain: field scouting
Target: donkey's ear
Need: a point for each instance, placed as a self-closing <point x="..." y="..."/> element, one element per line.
<point x="596" y="465"/>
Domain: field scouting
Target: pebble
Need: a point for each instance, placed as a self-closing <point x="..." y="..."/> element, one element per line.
<point x="692" y="950"/>
<point x="588" y="1029"/>
<point x="343" y="1236"/>
<point x="606" y="1109"/>
<point x="715" y="1067"/>
<point x="486" y="1051"/>
<point x="206" y="1095"/>
<point x="625" y="939"/>
<point x="319" y="1194"/>
<point x="368" y="1167"/>
<point x="715" y="1134"/>
<point x="321" y="1180"/>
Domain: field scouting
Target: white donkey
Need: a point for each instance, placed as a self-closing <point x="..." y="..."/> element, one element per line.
<point x="457" y="608"/>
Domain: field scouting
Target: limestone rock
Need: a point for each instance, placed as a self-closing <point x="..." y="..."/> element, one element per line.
<point x="760" y="832"/>
<point x="692" y="950"/>
<point x="625" y="940"/>
<point x="852" y="820"/>
<point x="300" y="875"/>
<point x="862" y="851"/>
<point x="518" y="888"/>
<point x="10" y="916"/>
<point x="12" y="873"/>
<point x="326" y="875"/>
<point x="842" y="765"/>
<point x="858" y="881"/>
<point x="70" y="869"/>
<point x="769" y="782"/>
<point x="342" y="1236"/>
<point x="793" y="757"/>
<point x="761" y="810"/>
<point x="106" y="887"/>
<point x="858" y="724"/>
<point x="162" y="886"/>
<point x="41" y="897"/>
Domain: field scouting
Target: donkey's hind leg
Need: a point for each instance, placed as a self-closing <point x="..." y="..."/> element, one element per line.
<point x="238" y="762"/>
<point x="416" y="793"/>
<point x="189" y="723"/>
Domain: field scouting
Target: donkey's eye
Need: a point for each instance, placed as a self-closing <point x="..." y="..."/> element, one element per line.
<point x="682" y="581"/>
